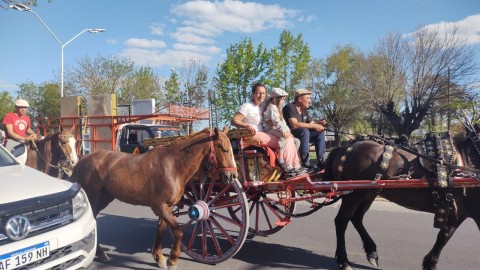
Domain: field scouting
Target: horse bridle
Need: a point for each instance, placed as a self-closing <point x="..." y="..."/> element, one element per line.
<point x="213" y="157"/>
<point x="60" y="167"/>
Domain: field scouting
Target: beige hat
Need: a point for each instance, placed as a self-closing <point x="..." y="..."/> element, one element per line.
<point x="21" y="103"/>
<point x="278" y="92"/>
<point x="302" y="92"/>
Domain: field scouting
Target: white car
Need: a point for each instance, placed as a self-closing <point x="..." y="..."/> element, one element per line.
<point x="45" y="223"/>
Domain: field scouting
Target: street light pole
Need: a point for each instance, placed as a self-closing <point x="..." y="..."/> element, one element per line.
<point x="22" y="7"/>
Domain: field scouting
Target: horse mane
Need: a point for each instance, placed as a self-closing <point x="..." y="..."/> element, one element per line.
<point x="182" y="139"/>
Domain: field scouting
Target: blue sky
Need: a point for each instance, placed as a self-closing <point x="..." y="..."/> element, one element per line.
<point x="163" y="33"/>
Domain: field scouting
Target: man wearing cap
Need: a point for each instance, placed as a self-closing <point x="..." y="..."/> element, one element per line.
<point x="17" y="125"/>
<point x="305" y="129"/>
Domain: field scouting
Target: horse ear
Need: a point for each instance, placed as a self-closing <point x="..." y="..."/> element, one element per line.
<point x="72" y="129"/>
<point x="60" y="128"/>
<point x="215" y="130"/>
<point x="226" y="129"/>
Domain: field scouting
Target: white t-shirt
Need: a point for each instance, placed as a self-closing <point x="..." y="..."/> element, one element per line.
<point x="252" y="115"/>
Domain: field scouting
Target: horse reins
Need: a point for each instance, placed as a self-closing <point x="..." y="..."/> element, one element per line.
<point x="49" y="163"/>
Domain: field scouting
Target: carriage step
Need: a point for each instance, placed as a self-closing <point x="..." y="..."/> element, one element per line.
<point x="282" y="222"/>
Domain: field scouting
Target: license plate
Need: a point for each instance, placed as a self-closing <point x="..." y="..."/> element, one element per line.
<point x="24" y="256"/>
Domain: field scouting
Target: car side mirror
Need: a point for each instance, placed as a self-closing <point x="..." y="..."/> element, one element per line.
<point x="18" y="150"/>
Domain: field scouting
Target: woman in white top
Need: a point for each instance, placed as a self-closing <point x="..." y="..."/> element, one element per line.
<point x="248" y="116"/>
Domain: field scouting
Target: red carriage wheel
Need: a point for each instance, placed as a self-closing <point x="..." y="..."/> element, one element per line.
<point x="210" y="234"/>
<point x="265" y="219"/>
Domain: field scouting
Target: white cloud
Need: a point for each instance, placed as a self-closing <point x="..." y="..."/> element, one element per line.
<point x="196" y="24"/>
<point x="169" y="58"/>
<point x="307" y="19"/>
<point x="145" y="43"/>
<point x="5" y="85"/>
<point x="191" y="38"/>
<point x="112" y="41"/>
<point x="468" y="27"/>
<point x="196" y="48"/>
<point x="233" y="16"/>
<point x="157" y="29"/>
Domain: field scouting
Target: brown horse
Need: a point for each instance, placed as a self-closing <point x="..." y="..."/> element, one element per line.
<point x="54" y="154"/>
<point x="156" y="179"/>
<point x="363" y="161"/>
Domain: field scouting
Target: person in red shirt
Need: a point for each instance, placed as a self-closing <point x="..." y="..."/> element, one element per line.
<point x="17" y="125"/>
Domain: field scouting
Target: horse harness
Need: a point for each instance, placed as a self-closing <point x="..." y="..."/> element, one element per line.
<point x="213" y="157"/>
<point x="436" y="154"/>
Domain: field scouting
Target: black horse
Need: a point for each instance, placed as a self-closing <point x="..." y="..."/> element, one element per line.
<point x="363" y="160"/>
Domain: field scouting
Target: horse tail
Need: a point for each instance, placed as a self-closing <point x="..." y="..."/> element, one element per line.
<point x="328" y="175"/>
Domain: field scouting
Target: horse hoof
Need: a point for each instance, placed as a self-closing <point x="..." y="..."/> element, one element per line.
<point x="102" y="257"/>
<point x="373" y="261"/>
<point x="162" y="264"/>
<point x="346" y="267"/>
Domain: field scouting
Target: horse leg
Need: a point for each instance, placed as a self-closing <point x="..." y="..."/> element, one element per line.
<point x="357" y="220"/>
<point x="165" y="212"/>
<point x="431" y="259"/>
<point x="98" y="203"/>
<point x="157" y="247"/>
<point x="347" y="209"/>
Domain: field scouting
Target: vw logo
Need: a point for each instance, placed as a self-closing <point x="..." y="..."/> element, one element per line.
<point x="17" y="227"/>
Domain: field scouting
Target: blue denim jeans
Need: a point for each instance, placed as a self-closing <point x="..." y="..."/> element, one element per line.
<point x="307" y="136"/>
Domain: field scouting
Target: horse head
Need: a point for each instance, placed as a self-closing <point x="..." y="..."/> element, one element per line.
<point x="66" y="145"/>
<point x="222" y="153"/>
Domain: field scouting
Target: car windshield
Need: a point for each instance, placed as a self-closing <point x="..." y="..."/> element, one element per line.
<point x="162" y="132"/>
<point x="6" y="159"/>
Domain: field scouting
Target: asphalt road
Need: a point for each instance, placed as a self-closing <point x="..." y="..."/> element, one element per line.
<point x="403" y="237"/>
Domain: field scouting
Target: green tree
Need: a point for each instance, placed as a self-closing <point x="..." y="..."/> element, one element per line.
<point x="289" y="62"/>
<point x="172" y="90"/>
<point x="244" y="65"/>
<point x="417" y="71"/>
<point x="6" y="105"/>
<point x="143" y="84"/>
<point x="339" y="100"/>
<point x="112" y="75"/>
<point x="49" y="101"/>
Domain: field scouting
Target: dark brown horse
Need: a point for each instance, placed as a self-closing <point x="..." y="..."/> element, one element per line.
<point x="54" y="154"/>
<point x="363" y="161"/>
<point x="156" y="179"/>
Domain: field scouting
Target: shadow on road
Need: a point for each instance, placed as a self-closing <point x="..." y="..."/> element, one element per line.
<point x="129" y="240"/>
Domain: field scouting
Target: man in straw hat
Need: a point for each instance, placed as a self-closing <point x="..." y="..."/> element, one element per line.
<point x="17" y="125"/>
<point x="305" y="129"/>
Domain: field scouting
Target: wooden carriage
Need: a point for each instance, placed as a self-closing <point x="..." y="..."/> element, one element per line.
<point x="217" y="215"/>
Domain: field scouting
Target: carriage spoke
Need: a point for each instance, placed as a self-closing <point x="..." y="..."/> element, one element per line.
<point x="229" y="186"/>
<point x="217" y="207"/>
<point x="184" y="226"/>
<point x="250" y="210"/>
<point x="214" y="238"/>
<point x="273" y="210"/>
<point x="192" y="187"/>
<point x="210" y="188"/>
<point x="223" y="231"/>
<point x="192" y="238"/>
<point x="229" y="220"/>
<point x="204" y="239"/>
<point x="266" y="216"/>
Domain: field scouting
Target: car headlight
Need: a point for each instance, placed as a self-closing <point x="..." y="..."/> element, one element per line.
<point x="79" y="204"/>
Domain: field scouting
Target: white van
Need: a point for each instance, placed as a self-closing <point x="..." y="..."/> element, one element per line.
<point x="45" y="223"/>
